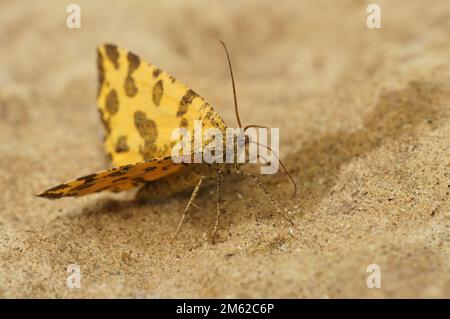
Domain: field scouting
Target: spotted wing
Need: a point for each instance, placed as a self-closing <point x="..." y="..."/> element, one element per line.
<point x="140" y="106"/>
<point x="116" y="179"/>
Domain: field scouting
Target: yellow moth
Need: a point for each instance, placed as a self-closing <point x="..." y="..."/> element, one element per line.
<point x="140" y="106"/>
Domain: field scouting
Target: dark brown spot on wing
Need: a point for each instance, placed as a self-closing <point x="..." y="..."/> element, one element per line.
<point x="133" y="62"/>
<point x="121" y="145"/>
<point x="113" y="54"/>
<point x="112" y="102"/>
<point x="105" y="122"/>
<point x="158" y="91"/>
<point x="101" y="72"/>
<point x="87" y="178"/>
<point x="115" y="174"/>
<point x="184" y="123"/>
<point x="79" y="188"/>
<point x="156" y="73"/>
<point x="187" y="99"/>
<point x="139" y="180"/>
<point x="119" y="171"/>
<point x="148" y="131"/>
<point x="146" y="127"/>
<point x="130" y="86"/>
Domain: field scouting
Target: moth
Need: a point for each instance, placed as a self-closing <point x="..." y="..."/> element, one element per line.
<point x="139" y="106"/>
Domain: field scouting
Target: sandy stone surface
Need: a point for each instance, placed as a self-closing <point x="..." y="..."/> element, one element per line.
<point x="365" y="131"/>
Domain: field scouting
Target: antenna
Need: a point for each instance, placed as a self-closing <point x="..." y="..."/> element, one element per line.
<point x="234" y="85"/>
<point x="282" y="165"/>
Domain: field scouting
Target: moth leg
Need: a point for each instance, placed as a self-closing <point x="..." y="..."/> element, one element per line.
<point x="219" y="198"/>
<point x="267" y="193"/>
<point x="191" y="202"/>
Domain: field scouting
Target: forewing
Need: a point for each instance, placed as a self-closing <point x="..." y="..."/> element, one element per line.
<point x="141" y="105"/>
